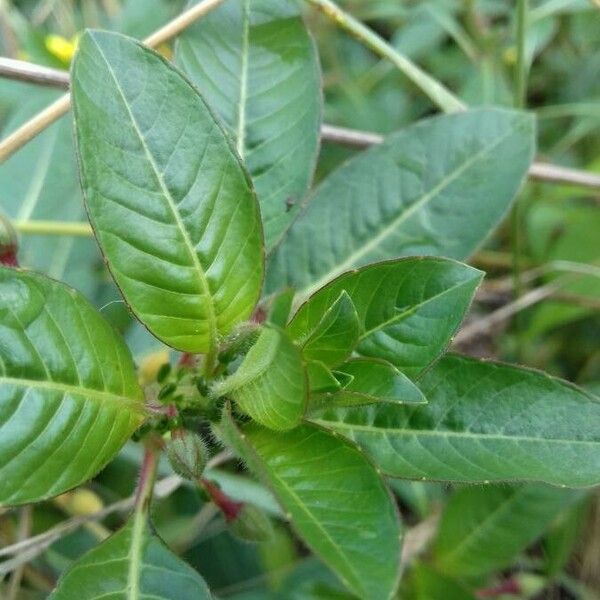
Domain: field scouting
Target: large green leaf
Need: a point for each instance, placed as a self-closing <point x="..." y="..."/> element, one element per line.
<point x="408" y="309"/>
<point x="484" y="422"/>
<point x="132" y="564"/>
<point x="483" y="529"/>
<point x="40" y="183"/>
<point x="69" y="397"/>
<point x="270" y="385"/>
<point x="171" y="204"/>
<point x="435" y="188"/>
<point x="256" y="65"/>
<point x="334" y="498"/>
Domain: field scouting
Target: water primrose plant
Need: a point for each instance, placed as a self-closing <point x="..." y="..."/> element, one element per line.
<point x="312" y="325"/>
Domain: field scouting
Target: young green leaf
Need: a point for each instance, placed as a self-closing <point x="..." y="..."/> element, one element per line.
<point x="256" y="64"/>
<point x="134" y="563"/>
<point x="408" y="309"/>
<point x="484" y="422"/>
<point x="69" y="397"/>
<point x="483" y="529"/>
<point x="434" y="188"/>
<point x="280" y="308"/>
<point x="334" y="498"/>
<point x="335" y="336"/>
<point x="320" y="378"/>
<point x="270" y="384"/>
<point x="374" y="381"/>
<point x="171" y="205"/>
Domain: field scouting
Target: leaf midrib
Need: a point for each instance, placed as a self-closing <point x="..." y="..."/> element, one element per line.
<point x="65" y="388"/>
<point x="352" y="259"/>
<point x="428" y="433"/>
<point x="201" y="276"/>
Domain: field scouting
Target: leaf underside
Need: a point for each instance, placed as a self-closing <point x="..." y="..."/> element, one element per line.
<point x="170" y="203"/>
<point x="69" y="397"/>
<point x="257" y="66"/>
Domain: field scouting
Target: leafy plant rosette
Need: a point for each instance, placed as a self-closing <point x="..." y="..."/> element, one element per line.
<point x="327" y="385"/>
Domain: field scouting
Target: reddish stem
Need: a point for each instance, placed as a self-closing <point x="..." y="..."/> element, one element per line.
<point x="8" y="256"/>
<point x="510" y="586"/>
<point x="230" y="508"/>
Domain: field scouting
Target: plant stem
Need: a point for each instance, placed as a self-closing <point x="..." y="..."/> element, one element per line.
<point x="54" y="228"/>
<point x="52" y="113"/>
<point x="520" y="92"/>
<point x="440" y="95"/>
<point x="32" y="73"/>
<point x="147" y="478"/>
<point x="520" y="95"/>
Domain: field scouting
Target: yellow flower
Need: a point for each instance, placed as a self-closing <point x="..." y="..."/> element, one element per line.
<point x="61" y="48"/>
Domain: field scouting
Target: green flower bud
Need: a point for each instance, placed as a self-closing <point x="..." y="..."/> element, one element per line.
<point x="187" y="454"/>
<point x="251" y="524"/>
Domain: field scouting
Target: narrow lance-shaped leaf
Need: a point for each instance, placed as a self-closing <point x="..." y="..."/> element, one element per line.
<point x="484" y="528"/>
<point x="374" y="381"/>
<point x="408" y="309"/>
<point x="335" y="499"/>
<point x="257" y="66"/>
<point x="270" y="384"/>
<point x="484" y="422"/>
<point x="135" y="564"/>
<point x="69" y="397"/>
<point x="335" y="336"/>
<point x="435" y="188"/>
<point x="170" y="203"/>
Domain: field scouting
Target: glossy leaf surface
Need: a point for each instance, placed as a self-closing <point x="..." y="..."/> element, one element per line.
<point x="435" y="188"/>
<point x="132" y="564"/>
<point x="376" y="381"/>
<point x="270" y="384"/>
<point x="255" y="63"/>
<point x="408" y="309"/>
<point x="484" y="422"/>
<point x="335" y="500"/>
<point x="334" y="337"/>
<point x="69" y="397"/>
<point x="484" y="528"/>
<point x="171" y="204"/>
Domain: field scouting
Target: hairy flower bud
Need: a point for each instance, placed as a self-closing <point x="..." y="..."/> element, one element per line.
<point x="187" y="454"/>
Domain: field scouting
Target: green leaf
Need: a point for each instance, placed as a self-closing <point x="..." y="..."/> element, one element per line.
<point x="280" y="308"/>
<point x="428" y="584"/>
<point x="69" y="397"/>
<point x="171" y="204"/>
<point x="335" y="499"/>
<point x="270" y="384"/>
<point x="435" y="188"/>
<point x="257" y="66"/>
<point x="483" y="529"/>
<point x="375" y="381"/>
<point x="320" y="378"/>
<point x="134" y="563"/>
<point x="484" y="422"/>
<point x="333" y="338"/>
<point x="408" y="309"/>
